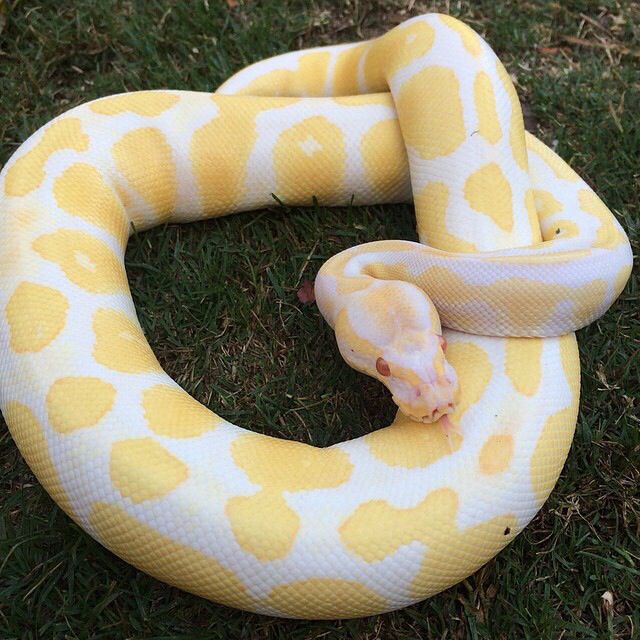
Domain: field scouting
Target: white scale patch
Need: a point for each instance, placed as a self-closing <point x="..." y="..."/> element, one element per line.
<point x="310" y="145"/>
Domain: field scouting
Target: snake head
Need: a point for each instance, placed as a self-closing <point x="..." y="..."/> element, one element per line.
<point x="412" y="365"/>
<point x="423" y="384"/>
<point x="391" y="331"/>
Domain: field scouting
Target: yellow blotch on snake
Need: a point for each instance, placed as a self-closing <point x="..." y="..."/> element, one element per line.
<point x="384" y="156"/>
<point x="393" y="51"/>
<point x="431" y="214"/>
<point x="607" y="234"/>
<point x="124" y="194"/>
<point x="517" y="138"/>
<point x="545" y="203"/>
<point x="559" y="167"/>
<point x="570" y="361"/>
<point x="488" y="191"/>
<point x="252" y="516"/>
<point x="485" y="101"/>
<point x="532" y="216"/>
<point x="309" y="160"/>
<point x="29" y="435"/>
<point x="307" y="80"/>
<point x="120" y="344"/>
<point x="85" y="260"/>
<point x="555" y="438"/>
<point x="496" y="454"/>
<point x="376" y="529"/>
<point x="219" y="152"/>
<point x="142" y="103"/>
<point x="27" y="172"/>
<point x="138" y="543"/>
<point x="473" y="368"/>
<point x="170" y="411"/>
<point x="523" y="363"/>
<point x="469" y="37"/>
<point x="142" y="469"/>
<point x="427" y="135"/>
<point x="551" y="451"/>
<point x="584" y="296"/>
<point x="290" y="466"/>
<point x="77" y="402"/>
<point x="325" y="598"/>
<point x="345" y="71"/>
<point x="82" y="191"/>
<point x="145" y="158"/>
<point x="36" y="315"/>
<point x="370" y="305"/>
<point x="412" y="445"/>
<point x="560" y="229"/>
<point x="621" y="278"/>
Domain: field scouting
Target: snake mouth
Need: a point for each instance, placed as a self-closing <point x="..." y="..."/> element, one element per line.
<point x="427" y="403"/>
<point x="428" y="399"/>
<point x="429" y="417"/>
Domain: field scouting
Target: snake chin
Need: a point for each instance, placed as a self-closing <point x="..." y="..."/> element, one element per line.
<point x="427" y="402"/>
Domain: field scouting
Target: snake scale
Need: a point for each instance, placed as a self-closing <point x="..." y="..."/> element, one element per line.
<point x="471" y="329"/>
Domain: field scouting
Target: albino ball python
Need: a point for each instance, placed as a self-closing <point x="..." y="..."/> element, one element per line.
<point x="514" y="244"/>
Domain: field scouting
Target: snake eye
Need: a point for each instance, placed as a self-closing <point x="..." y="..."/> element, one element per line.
<point x="383" y="368"/>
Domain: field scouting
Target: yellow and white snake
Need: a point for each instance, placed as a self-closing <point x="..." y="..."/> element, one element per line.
<point x="516" y="253"/>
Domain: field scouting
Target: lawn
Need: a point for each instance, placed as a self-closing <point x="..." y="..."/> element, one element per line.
<point x="218" y="303"/>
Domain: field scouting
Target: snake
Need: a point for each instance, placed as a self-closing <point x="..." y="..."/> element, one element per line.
<point x="471" y="329"/>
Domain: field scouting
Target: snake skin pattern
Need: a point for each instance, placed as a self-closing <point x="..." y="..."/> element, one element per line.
<point x="513" y="244"/>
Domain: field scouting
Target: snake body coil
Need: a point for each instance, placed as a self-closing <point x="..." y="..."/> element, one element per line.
<point x="516" y="253"/>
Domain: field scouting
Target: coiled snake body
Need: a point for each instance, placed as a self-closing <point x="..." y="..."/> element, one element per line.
<point x="516" y="253"/>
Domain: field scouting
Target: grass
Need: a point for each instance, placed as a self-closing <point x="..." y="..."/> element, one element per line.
<point x="218" y="303"/>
